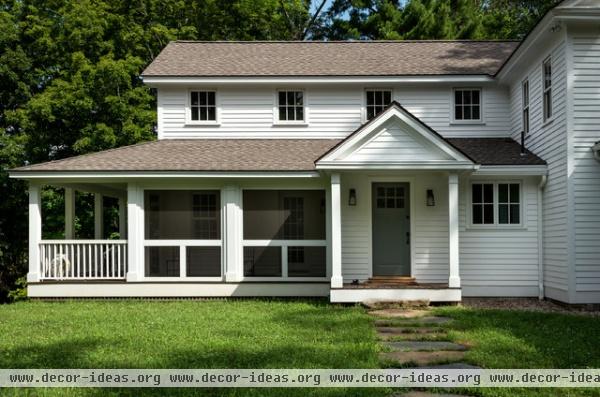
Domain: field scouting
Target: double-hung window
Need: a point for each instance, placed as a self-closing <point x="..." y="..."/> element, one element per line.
<point x="547" y="85"/>
<point x="377" y="100"/>
<point x="203" y="106"/>
<point x="496" y="203"/>
<point x="290" y="106"/>
<point x="525" y="103"/>
<point x="467" y="104"/>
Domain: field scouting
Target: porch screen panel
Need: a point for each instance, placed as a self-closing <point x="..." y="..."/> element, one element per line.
<point x="284" y="215"/>
<point x="306" y="261"/>
<point x="188" y="219"/>
<point x="162" y="261"/>
<point x="262" y="261"/>
<point x="182" y="215"/>
<point x="274" y="222"/>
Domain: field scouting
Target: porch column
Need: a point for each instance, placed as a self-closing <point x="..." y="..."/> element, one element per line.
<point x="337" y="280"/>
<point x="454" y="277"/>
<point x="135" y="232"/>
<point x="98" y="216"/>
<point x="232" y="233"/>
<point x="35" y="232"/>
<point x="69" y="213"/>
<point x="122" y="203"/>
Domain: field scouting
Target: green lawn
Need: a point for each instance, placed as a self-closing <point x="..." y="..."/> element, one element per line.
<point x="269" y="334"/>
<point x="186" y="334"/>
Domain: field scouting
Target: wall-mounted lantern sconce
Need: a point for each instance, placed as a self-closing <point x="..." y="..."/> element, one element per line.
<point x="430" y="198"/>
<point x="352" y="197"/>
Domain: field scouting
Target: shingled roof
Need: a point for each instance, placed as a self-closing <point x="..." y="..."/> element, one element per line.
<point x="195" y="155"/>
<point x="329" y="58"/>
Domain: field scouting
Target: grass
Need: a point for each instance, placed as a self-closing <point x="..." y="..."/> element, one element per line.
<point x="271" y="334"/>
<point x="521" y="339"/>
<point x="186" y="334"/>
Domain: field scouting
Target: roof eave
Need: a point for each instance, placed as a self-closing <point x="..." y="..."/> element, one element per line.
<point x="156" y="81"/>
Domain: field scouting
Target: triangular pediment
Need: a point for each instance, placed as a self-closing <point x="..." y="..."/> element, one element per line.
<point x="395" y="139"/>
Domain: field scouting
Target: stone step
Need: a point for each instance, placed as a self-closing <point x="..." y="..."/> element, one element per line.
<point x="435" y="336"/>
<point x="422" y="358"/>
<point x="451" y="366"/>
<point x="407" y="346"/>
<point x="408" y="330"/>
<point x="428" y="320"/>
<point x="399" y="313"/>
<point x="425" y="394"/>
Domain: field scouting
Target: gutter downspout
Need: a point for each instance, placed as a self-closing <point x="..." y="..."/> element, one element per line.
<point x="540" y="235"/>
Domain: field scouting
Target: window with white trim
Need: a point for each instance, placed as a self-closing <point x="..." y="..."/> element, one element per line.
<point x="509" y="204"/>
<point x="377" y="100"/>
<point x="467" y="104"/>
<point x="496" y="203"/>
<point x="482" y="203"/>
<point x="290" y="105"/>
<point x="525" y="105"/>
<point x="547" y="85"/>
<point x="203" y="106"/>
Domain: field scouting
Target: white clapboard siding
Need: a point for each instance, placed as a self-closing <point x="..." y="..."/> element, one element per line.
<point x="395" y="143"/>
<point x="332" y="112"/>
<point x="492" y="261"/>
<point x="586" y="177"/>
<point x="497" y="261"/>
<point x="549" y="140"/>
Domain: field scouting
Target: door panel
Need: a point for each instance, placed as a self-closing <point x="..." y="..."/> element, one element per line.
<point x="391" y="229"/>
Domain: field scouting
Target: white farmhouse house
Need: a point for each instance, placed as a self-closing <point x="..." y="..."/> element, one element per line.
<point x="356" y="170"/>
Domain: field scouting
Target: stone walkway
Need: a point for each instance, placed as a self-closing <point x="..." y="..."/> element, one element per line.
<point x="415" y="339"/>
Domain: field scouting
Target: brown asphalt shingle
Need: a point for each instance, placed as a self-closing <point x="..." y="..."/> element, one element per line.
<point x="341" y="58"/>
<point x="495" y="151"/>
<point x="252" y="155"/>
<point x="199" y="155"/>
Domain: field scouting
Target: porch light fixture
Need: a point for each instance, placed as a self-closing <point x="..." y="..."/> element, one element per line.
<point x="430" y="198"/>
<point x="352" y="197"/>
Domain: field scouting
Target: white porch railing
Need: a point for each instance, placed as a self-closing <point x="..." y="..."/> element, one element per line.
<point x="83" y="259"/>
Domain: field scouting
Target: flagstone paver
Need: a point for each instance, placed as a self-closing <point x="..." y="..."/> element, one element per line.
<point x="414" y="336"/>
<point x="451" y="366"/>
<point x="408" y="330"/>
<point x="427" y="320"/>
<point x="422" y="358"/>
<point x="425" y="394"/>
<point x="424" y="345"/>
<point x="399" y="313"/>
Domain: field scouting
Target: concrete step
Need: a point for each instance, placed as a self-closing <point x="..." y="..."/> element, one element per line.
<point x="407" y="321"/>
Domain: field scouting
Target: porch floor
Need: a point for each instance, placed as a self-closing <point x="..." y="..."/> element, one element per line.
<point x="396" y="286"/>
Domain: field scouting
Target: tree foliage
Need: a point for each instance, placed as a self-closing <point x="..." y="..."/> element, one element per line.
<point x="69" y="71"/>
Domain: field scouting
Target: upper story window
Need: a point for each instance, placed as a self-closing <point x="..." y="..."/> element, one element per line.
<point x="377" y="100"/>
<point x="467" y="104"/>
<point x="496" y="203"/>
<point x="203" y="106"/>
<point x="525" y="103"/>
<point x="547" y="84"/>
<point x="290" y="105"/>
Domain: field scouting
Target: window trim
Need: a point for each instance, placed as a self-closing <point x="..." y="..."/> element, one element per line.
<point x="525" y="107"/>
<point x="547" y="118"/>
<point x="480" y="120"/>
<point x="188" y="108"/>
<point x="297" y="123"/>
<point x="496" y="225"/>
<point x="364" y="100"/>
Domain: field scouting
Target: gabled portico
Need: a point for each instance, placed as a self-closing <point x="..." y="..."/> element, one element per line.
<point x="395" y="180"/>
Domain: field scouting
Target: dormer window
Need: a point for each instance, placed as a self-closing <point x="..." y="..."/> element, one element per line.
<point x="467" y="104"/>
<point x="290" y="105"/>
<point x="203" y="106"/>
<point x="377" y="100"/>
